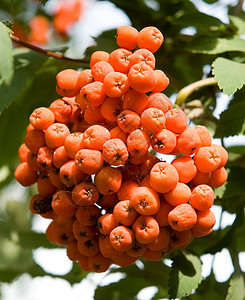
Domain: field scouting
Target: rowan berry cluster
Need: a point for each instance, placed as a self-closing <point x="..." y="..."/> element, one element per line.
<point x="109" y="199"/>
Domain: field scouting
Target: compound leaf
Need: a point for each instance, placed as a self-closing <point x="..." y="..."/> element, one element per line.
<point x="185" y="275"/>
<point x="6" y="59"/>
<point x="236" y="289"/>
<point x="216" y="45"/>
<point x="230" y="74"/>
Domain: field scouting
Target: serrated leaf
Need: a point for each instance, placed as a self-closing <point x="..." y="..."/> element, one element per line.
<point x="185" y="275"/>
<point x="230" y="74"/>
<point x="26" y="64"/>
<point x="6" y="59"/>
<point x="216" y="45"/>
<point x="232" y="120"/>
<point x="236" y="289"/>
<point x="239" y="23"/>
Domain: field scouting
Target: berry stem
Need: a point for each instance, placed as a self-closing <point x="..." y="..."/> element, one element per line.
<point x="18" y="41"/>
<point x="187" y="90"/>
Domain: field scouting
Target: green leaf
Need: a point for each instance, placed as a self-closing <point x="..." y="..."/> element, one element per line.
<point x="185" y="275"/>
<point x="126" y="288"/>
<point x="230" y="74"/>
<point x="234" y="185"/>
<point x="239" y="23"/>
<point x="26" y="64"/>
<point x="232" y="120"/>
<point x="216" y="45"/>
<point x="6" y="59"/>
<point x="236" y="289"/>
<point x="227" y="239"/>
<point x="39" y="91"/>
<point x="200" y="21"/>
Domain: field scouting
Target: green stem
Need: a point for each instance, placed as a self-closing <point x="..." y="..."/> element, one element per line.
<point x="189" y="89"/>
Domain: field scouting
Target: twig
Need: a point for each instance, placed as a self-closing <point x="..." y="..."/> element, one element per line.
<point x="238" y="8"/>
<point x="47" y="52"/>
<point x="187" y="90"/>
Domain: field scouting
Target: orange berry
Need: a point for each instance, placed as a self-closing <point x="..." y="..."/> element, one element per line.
<point x="178" y="195"/>
<point x="176" y="120"/>
<point x="145" y="201"/>
<point x="85" y="77"/>
<point x="41" y="118"/>
<point x="182" y="217"/>
<point x="160" y="101"/>
<point x="150" y="38"/>
<point x="88" y="215"/>
<point x="128" y="121"/>
<point x="152" y="120"/>
<point x="119" y="59"/>
<point x="85" y="194"/>
<point x="162" y="81"/>
<point x="67" y="83"/>
<point x="185" y="167"/>
<point x="127" y="37"/>
<point x="106" y="223"/>
<point x="142" y="78"/>
<point x="70" y="175"/>
<point x="163" y="177"/>
<point x="138" y="142"/>
<point x="207" y="159"/>
<point x="116" y="84"/>
<point x="25" y="175"/>
<point x="56" y="134"/>
<point x="62" y="204"/>
<point x="218" y="177"/>
<point x="135" y="101"/>
<point x="100" y="70"/>
<point x="92" y="94"/>
<point x="144" y="56"/>
<point x="108" y="180"/>
<point x="125" y="213"/>
<point x="115" y="152"/>
<point x="89" y="161"/>
<point x="188" y="141"/>
<point x="146" y="229"/>
<point x="95" y="136"/>
<point x="111" y="108"/>
<point x="121" y="238"/>
<point x="97" y="56"/>
<point x="163" y="141"/>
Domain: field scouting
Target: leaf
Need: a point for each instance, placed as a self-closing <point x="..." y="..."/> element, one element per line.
<point x="126" y="288"/>
<point x="39" y="91"/>
<point x="239" y="23"/>
<point x="234" y="185"/>
<point x="229" y="236"/>
<point x="43" y="1"/>
<point x="236" y="289"/>
<point x="200" y="21"/>
<point x="230" y="74"/>
<point x="6" y="59"/>
<point x="26" y="64"/>
<point x="216" y="45"/>
<point x="185" y="275"/>
<point x="232" y="120"/>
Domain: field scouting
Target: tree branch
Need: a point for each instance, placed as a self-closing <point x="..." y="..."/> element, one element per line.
<point x="18" y="41"/>
<point x="238" y="8"/>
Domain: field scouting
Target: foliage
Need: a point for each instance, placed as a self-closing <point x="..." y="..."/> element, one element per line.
<point x="27" y="81"/>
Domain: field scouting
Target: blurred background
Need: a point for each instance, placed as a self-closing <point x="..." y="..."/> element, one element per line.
<point x="30" y="267"/>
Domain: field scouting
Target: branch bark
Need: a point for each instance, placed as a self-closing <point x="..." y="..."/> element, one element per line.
<point x="18" y="41"/>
